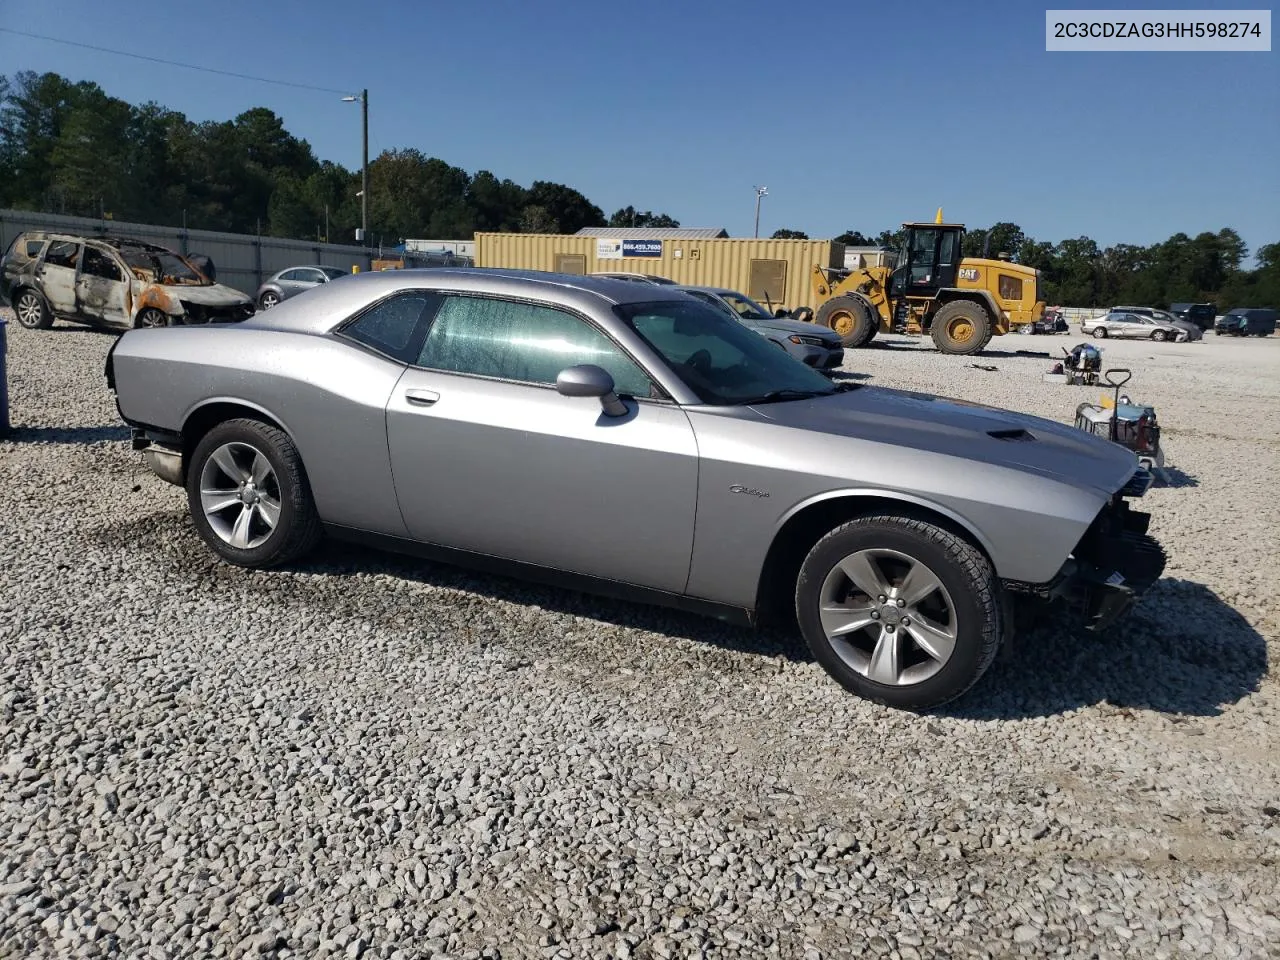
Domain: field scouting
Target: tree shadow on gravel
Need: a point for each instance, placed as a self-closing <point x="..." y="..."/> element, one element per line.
<point x="1181" y="651"/>
<point x="81" y="435"/>
<point x="849" y="375"/>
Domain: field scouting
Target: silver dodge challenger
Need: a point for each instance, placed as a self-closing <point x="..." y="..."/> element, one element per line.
<point x="627" y="439"/>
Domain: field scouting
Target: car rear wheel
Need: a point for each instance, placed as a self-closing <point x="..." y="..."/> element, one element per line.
<point x="268" y="300"/>
<point x="899" y="611"/>
<point x="32" y="312"/>
<point x="1100" y="332"/>
<point x="249" y="496"/>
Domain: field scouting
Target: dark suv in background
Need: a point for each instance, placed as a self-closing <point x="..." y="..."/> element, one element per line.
<point x="1247" y="322"/>
<point x="1201" y="314"/>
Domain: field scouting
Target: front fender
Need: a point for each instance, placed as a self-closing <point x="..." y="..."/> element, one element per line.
<point x="898" y="496"/>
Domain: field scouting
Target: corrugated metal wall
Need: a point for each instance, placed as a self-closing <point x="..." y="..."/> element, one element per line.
<point x="720" y="263"/>
<point x="242" y="261"/>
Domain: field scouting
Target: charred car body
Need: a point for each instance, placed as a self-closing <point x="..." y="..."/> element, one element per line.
<point x="112" y="282"/>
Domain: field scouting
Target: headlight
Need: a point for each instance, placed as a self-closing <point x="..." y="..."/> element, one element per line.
<point x="808" y="341"/>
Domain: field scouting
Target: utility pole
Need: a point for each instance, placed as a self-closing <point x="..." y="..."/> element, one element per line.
<point x="363" y="98"/>
<point x="761" y="192"/>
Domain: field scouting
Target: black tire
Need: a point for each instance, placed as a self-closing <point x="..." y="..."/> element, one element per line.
<point x="960" y="568"/>
<point x="31" y="311"/>
<point x="850" y="317"/>
<point x="152" y="317"/>
<point x="961" y="328"/>
<point x="298" y="528"/>
<point x="1100" y="333"/>
<point x="803" y="314"/>
<point x="269" y="300"/>
<point x="1158" y="335"/>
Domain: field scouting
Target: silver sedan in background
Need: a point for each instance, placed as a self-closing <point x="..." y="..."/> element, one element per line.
<point x="627" y="439"/>
<point x="292" y="281"/>
<point x="819" y="347"/>
<point x="1120" y="323"/>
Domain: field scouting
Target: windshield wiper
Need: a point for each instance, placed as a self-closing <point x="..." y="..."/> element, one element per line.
<point x="773" y="396"/>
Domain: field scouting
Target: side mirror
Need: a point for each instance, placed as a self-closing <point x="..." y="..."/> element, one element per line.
<point x="588" y="380"/>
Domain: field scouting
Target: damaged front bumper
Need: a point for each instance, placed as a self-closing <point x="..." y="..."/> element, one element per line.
<point x="1113" y="565"/>
<point x="162" y="453"/>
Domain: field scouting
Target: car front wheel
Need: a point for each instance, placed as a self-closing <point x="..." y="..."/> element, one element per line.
<point x="268" y="300"/>
<point x="899" y="611"/>
<point x="1158" y="335"/>
<point x="1100" y="332"/>
<point x="249" y="496"/>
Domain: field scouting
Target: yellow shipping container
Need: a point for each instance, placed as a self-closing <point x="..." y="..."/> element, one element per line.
<point x="774" y="272"/>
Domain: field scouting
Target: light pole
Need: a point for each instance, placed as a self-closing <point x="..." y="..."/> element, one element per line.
<point x="364" y="164"/>
<point x="761" y="192"/>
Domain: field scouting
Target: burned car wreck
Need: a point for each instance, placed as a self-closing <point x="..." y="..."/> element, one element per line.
<point x="112" y="282"/>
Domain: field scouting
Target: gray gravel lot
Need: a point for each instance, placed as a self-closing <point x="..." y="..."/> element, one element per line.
<point x="368" y="756"/>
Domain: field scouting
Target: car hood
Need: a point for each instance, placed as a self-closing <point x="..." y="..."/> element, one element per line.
<point x="214" y="295"/>
<point x="964" y="430"/>
<point x="786" y="325"/>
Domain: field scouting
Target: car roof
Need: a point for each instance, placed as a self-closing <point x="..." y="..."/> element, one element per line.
<point x="347" y="294"/>
<point x="715" y="290"/>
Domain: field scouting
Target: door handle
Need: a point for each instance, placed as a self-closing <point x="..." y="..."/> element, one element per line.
<point x="421" y="398"/>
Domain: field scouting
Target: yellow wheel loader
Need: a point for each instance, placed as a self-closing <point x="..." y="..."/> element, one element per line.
<point x="960" y="302"/>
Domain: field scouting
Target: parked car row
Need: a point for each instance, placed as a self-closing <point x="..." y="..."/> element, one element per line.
<point x="1189" y="324"/>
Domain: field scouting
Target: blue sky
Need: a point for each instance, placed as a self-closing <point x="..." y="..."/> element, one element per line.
<point x="857" y="121"/>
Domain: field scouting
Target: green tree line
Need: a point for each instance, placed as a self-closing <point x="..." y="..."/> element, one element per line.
<point x="68" y="147"/>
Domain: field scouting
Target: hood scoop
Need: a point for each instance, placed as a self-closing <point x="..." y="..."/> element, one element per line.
<point x="1015" y="434"/>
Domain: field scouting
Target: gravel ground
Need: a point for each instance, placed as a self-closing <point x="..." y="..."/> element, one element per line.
<point x="368" y="756"/>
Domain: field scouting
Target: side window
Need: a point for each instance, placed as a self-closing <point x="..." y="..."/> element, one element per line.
<point x="291" y="275"/>
<point x="34" y="247"/>
<point x="62" y="254"/>
<point x="394" y="327"/>
<point x="99" y="264"/>
<point x="523" y="342"/>
<point x="312" y="276"/>
<point x="948" y="252"/>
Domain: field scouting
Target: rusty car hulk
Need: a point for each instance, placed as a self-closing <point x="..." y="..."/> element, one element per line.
<point x="112" y="282"/>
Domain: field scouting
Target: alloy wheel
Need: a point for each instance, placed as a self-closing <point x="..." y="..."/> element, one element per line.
<point x="240" y="495"/>
<point x="29" y="310"/>
<point x="889" y="617"/>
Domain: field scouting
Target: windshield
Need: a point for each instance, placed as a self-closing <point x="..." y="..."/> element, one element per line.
<point x="721" y="361"/>
<point x="746" y="307"/>
<point x="162" y="267"/>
